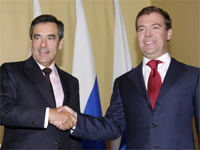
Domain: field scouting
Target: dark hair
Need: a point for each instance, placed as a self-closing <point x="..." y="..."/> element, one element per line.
<point x="151" y="9"/>
<point x="45" y="19"/>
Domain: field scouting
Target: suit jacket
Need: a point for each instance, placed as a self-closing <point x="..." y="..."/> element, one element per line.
<point x="24" y="96"/>
<point x="167" y="126"/>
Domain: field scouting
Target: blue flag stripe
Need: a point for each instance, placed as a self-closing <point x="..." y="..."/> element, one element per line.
<point x="93" y="106"/>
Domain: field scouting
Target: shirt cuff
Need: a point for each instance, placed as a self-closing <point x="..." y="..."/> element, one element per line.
<point x="72" y="129"/>
<point x="46" y="118"/>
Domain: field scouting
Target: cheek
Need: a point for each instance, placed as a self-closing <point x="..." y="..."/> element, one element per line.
<point x="35" y="45"/>
<point x="54" y="52"/>
<point x="139" y="37"/>
<point x="139" y="40"/>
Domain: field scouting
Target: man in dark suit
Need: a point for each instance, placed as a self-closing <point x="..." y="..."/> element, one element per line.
<point x="157" y="116"/>
<point x="27" y="101"/>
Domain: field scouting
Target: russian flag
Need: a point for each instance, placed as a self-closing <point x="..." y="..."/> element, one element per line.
<point x="122" y="61"/>
<point x="84" y="70"/>
<point x="36" y="12"/>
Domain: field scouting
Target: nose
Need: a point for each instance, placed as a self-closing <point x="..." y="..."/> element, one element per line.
<point x="148" y="32"/>
<point x="43" y="43"/>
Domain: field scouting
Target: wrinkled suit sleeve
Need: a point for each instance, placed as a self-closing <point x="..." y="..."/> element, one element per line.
<point x="109" y="127"/>
<point x="13" y="114"/>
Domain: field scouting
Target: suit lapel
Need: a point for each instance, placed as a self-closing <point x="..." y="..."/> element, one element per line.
<point x="174" y="73"/>
<point x="34" y="72"/>
<point x="136" y="76"/>
<point x="65" y="85"/>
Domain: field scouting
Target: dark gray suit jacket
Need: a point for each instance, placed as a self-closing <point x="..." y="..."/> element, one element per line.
<point x="168" y="126"/>
<point x="24" y="96"/>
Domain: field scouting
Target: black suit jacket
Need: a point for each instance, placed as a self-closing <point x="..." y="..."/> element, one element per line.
<point x="168" y="126"/>
<point x="24" y="96"/>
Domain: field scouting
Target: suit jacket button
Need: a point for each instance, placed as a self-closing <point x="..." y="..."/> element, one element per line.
<point x="154" y="125"/>
<point x="28" y="122"/>
<point x="57" y="142"/>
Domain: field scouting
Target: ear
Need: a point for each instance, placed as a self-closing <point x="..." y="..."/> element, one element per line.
<point x="60" y="44"/>
<point x="169" y="34"/>
<point x="30" y="43"/>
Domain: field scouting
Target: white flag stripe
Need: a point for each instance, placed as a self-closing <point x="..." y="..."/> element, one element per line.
<point x="83" y="61"/>
<point x="122" y="58"/>
<point x="36" y="12"/>
<point x="84" y="69"/>
<point x="36" y="9"/>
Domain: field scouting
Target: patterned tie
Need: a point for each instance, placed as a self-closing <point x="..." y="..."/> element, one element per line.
<point x="154" y="83"/>
<point x="47" y="71"/>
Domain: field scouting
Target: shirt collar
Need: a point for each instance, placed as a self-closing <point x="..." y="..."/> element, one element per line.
<point x="164" y="58"/>
<point x="52" y="67"/>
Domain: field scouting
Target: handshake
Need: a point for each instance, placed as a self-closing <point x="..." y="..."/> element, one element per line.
<point x="62" y="117"/>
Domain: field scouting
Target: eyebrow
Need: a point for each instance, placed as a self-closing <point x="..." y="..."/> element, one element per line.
<point x="156" y="24"/>
<point x="53" y="36"/>
<point x="36" y="35"/>
<point x="50" y="35"/>
<point x="140" y="27"/>
<point x="151" y="25"/>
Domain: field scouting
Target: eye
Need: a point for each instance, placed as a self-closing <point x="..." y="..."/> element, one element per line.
<point x="37" y="37"/>
<point x="155" y="27"/>
<point x="141" y="29"/>
<point x="50" y="38"/>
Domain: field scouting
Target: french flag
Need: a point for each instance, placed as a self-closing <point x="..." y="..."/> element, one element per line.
<point x="84" y="69"/>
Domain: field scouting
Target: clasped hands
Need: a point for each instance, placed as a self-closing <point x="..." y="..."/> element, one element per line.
<point x="62" y="117"/>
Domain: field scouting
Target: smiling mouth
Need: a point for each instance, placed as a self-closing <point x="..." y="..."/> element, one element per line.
<point x="43" y="51"/>
<point x="148" y="42"/>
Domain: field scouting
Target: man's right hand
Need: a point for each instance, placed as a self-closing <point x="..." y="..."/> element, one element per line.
<point x="62" y="118"/>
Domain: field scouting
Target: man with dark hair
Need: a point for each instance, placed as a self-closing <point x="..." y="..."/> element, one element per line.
<point x="155" y="101"/>
<point x="31" y="91"/>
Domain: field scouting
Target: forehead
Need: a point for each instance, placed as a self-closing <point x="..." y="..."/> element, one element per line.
<point x="48" y="28"/>
<point x="150" y="19"/>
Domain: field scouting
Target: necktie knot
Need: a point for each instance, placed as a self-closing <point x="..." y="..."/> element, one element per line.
<point x="154" y="63"/>
<point x="47" y="71"/>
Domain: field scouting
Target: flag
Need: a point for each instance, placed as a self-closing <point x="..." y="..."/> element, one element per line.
<point x="84" y="69"/>
<point x="122" y="61"/>
<point x="36" y="12"/>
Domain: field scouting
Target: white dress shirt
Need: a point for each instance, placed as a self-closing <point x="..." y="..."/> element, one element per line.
<point x="162" y="67"/>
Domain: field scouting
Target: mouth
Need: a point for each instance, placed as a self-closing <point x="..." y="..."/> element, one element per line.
<point x="43" y="51"/>
<point x="151" y="42"/>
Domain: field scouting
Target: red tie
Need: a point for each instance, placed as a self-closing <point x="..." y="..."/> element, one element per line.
<point x="154" y="83"/>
